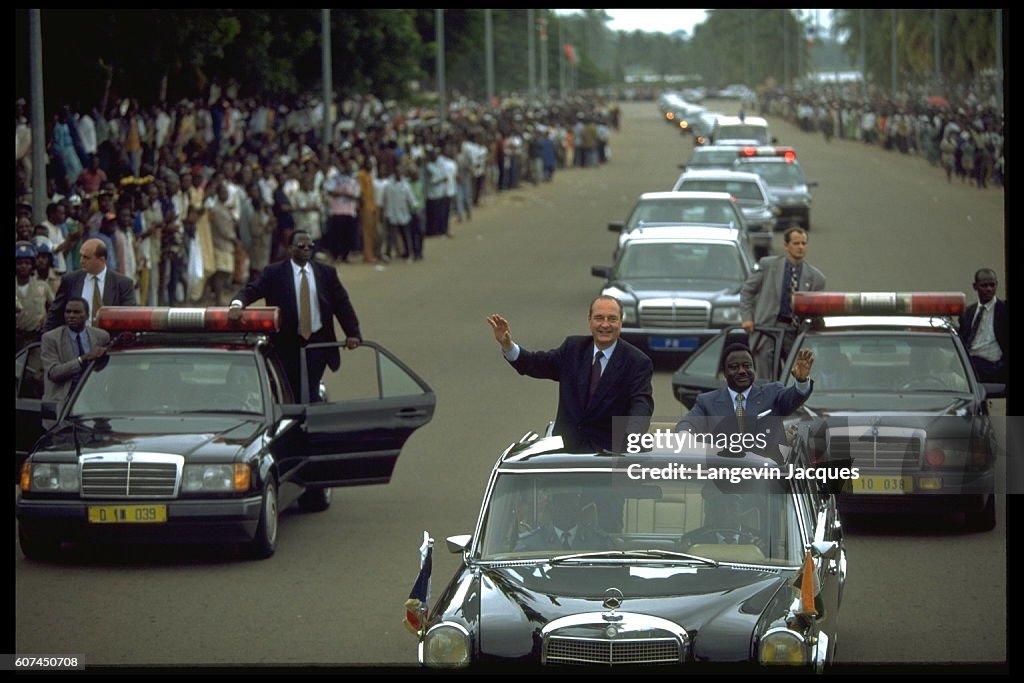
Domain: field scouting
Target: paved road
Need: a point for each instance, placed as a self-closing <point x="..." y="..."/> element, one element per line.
<point x="333" y="593"/>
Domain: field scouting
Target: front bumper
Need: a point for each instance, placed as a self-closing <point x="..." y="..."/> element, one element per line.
<point x="232" y="520"/>
<point x="958" y="492"/>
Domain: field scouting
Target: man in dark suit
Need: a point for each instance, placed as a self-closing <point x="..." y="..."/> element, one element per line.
<point x="748" y="407"/>
<point x="310" y="296"/>
<point x="567" y="529"/>
<point x="985" y="330"/>
<point x="766" y="299"/>
<point x="68" y="349"/>
<point x="98" y="285"/>
<point x="600" y="377"/>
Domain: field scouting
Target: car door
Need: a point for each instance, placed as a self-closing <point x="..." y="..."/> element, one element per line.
<point x="28" y="395"/>
<point x="356" y="435"/>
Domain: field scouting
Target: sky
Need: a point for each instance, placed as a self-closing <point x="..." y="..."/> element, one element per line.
<point x="670" y="20"/>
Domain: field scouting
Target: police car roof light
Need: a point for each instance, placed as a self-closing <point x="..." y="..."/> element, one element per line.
<point x="808" y="304"/>
<point x="788" y="153"/>
<point x="215" y="319"/>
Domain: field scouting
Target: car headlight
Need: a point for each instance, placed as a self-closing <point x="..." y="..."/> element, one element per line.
<point x="782" y="646"/>
<point x="725" y="315"/>
<point x="446" y="645"/>
<point x="50" y="478"/>
<point x="215" y="478"/>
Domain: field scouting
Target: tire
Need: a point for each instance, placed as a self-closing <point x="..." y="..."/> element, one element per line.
<point x="983" y="519"/>
<point x="264" y="543"/>
<point x="38" y="546"/>
<point x="315" y="500"/>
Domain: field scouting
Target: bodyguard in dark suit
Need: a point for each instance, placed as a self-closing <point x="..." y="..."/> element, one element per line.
<point x="985" y="329"/>
<point x="281" y="285"/>
<point x="567" y="529"/>
<point x="94" y="282"/>
<point x="599" y="377"/>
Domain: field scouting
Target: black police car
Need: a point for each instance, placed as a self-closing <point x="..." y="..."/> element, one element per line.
<point x="895" y="396"/>
<point x="187" y="431"/>
<point x="676" y="556"/>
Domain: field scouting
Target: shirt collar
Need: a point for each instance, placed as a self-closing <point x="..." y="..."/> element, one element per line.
<point x="745" y="392"/>
<point x="297" y="269"/>
<point x="607" y="352"/>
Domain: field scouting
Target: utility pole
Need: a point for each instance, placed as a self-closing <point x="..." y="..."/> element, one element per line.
<point x="542" y="30"/>
<point x="489" y="41"/>
<point x="35" y="37"/>
<point x="325" y="74"/>
<point x="442" y="103"/>
<point x="531" y="57"/>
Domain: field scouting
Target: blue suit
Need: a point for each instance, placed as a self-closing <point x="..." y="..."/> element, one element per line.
<point x="782" y="401"/>
<point x="624" y="390"/>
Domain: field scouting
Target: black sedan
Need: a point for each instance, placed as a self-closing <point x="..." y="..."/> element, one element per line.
<point x="674" y="556"/>
<point x="895" y="395"/>
<point x="187" y="431"/>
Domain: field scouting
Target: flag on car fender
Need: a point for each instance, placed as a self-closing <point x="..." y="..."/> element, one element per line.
<point x="416" y="605"/>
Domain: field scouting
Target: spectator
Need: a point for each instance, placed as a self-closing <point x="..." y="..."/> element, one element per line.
<point x="32" y="296"/>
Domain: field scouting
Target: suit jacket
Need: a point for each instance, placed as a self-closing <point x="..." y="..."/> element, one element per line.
<point x="761" y="293"/>
<point x="1000" y="325"/>
<point x="60" y="359"/>
<point x="624" y="390"/>
<point x="118" y="290"/>
<point x="781" y="400"/>
<point x="276" y="284"/>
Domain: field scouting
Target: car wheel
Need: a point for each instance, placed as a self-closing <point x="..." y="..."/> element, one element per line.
<point x="983" y="519"/>
<point x="264" y="543"/>
<point x="38" y="546"/>
<point x="315" y="500"/>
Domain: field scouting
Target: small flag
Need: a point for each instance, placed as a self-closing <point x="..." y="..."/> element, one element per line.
<point x="807" y="583"/>
<point x="416" y="605"/>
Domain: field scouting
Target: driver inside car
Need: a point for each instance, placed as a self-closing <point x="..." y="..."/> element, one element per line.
<point x="724" y="517"/>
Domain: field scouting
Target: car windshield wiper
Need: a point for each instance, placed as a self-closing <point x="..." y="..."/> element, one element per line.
<point x="634" y="554"/>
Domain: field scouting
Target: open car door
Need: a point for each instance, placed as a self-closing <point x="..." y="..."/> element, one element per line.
<point x="374" y="403"/>
<point x="28" y="395"/>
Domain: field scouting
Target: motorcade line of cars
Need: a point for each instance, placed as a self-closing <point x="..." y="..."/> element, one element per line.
<point x="661" y="570"/>
<point x="678" y="284"/>
<point x="895" y="395"/>
<point x="187" y="432"/>
<point x="787" y="187"/>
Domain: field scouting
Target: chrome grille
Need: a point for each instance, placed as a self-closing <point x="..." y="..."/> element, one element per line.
<point x="672" y="315"/>
<point x="154" y="475"/>
<point x="561" y="650"/>
<point x="891" y="449"/>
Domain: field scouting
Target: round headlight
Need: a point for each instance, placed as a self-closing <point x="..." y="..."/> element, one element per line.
<point x="782" y="646"/>
<point x="446" y="645"/>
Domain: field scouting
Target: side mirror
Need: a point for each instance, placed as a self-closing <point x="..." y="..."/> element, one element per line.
<point x="812" y="183"/>
<point x="616" y="226"/>
<point x="458" y="544"/>
<point x="601" y="271"/>
<point x="48" y="410"/>
<point x="994" y="390"/>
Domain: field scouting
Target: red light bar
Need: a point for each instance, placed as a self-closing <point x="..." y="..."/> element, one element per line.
<point x="806" y="304"/>
<point x="146" y="319"/>
<point x="768" y="151"/>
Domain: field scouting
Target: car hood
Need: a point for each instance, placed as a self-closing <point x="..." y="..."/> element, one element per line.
<point x="719" y="607"/>
<point x="845" y="404"/>
<point x="679" y="288"/>
<point x="198" y="438"/>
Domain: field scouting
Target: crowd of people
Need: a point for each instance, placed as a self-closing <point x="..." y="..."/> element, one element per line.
<point x="193" y="200"/>
<point x="962" y="132"/>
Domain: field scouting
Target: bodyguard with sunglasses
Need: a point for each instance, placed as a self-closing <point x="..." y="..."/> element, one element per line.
<point x="310" y="296"/>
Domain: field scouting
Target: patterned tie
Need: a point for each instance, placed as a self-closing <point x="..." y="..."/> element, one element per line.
<point x="739" y="410"/>
<point x="305" y="313"/>
<point x="595" y="374"/>
<point x="97" y="299"/>
<point x="794" y="286"/>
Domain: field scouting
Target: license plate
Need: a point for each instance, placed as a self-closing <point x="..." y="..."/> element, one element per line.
<point x="876" y="484"/>
<point x="127" y="514"/>
<point x="673" y="343"/>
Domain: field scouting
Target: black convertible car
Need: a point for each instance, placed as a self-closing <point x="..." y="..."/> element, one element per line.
<point x="679" y="555"/>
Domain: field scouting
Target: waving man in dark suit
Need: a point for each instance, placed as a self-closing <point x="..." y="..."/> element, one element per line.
<point x="310" y="296"/>
<point x="600" y="377"/>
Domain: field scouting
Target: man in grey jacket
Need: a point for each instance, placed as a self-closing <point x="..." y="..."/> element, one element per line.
<point x="766" y="299"/>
